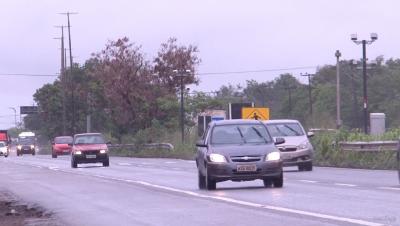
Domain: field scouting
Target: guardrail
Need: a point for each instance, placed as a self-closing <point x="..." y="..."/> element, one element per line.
<point x="369" y="146"/>
<point x="166" y="146"/>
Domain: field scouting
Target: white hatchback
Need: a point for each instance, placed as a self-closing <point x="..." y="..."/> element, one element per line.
<point x="4" y="149"/>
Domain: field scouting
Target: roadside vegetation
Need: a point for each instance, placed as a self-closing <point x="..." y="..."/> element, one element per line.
<point x="134" y="99"/>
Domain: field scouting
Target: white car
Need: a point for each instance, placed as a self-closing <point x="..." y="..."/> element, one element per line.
<point x="4" y="149"/>
<point x="297" y="149"/>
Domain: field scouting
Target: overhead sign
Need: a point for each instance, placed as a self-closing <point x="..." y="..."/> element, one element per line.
<point x="24" y="110"/>
<point x="255" y="113"/>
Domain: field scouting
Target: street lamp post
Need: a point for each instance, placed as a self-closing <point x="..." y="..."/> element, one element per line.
<point x="15" y="116"/>
<point x="338" y="120"/>
<point x="374" y="37"/>
<point x="181" y="74"/>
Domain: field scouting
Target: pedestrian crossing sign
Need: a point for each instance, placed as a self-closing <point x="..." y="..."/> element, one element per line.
<point x="255" y="113"/>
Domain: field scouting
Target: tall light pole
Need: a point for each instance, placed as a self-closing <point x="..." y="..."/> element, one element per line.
<point x="309" y="92"/>
<point x="62" y="79"/>
<point x="15" y="116"/>
<point x="338" y="120"/>
<point x="182" y="74"/>
<point x="374" y="37"/>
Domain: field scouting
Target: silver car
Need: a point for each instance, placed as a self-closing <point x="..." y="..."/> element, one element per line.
<point x="297" y="149"/>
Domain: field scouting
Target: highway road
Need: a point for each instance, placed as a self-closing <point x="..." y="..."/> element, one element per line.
<point x="134" y="191"/>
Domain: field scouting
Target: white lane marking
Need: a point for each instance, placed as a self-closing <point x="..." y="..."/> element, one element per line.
<point x="346" y="185"/>
<point x="124" y="164"/>
<point x="250" y="204"/>
<point x="390" y="188"/>
<point x="169" y="162"/>
<point x="308" y="181"/>
<point x="53" y="168"/>
<point x="191" y="161"/>
<point x="176" y="168"/>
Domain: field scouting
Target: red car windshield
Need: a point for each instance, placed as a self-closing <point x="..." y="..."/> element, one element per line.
<point x="63" y="140"/>
<point x="89" y="139"/>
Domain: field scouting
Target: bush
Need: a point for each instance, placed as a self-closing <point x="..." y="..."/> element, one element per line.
<point x="328" y="153"/>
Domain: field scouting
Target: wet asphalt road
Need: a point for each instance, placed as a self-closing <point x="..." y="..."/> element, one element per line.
<point x="164" y="192"/>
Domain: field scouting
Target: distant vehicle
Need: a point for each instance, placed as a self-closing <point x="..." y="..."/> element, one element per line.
<point x="5" y="138"/>
<point x="297" y="149"/>
<point x="26" y="145"/>
<point x="89" y="148"/>
<point x="398" y="161"/>
<point x="61" y="146"/>
<point x="4" y="151"/>
<point x="238" y="150"/>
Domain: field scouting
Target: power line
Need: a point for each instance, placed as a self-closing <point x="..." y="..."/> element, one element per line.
<point x="28" y="75"/>
<point x="199" y="74"/>
<point x="256" y="71"/>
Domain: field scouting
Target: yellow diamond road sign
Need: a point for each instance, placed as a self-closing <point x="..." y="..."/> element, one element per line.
<point x="255" y="113"/>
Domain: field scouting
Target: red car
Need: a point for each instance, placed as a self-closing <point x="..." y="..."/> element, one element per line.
<point x="89" y="148"/>
<point x="61" y="146"/>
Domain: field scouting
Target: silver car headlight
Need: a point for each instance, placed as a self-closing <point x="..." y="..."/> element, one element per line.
<point x="32" y="146"/>
<point x="217" y="158"/>
<point x="303" y="145"/>
<point x="103" y="151"/>
<point x="78" y="153"/>
<point x="273" y="156"/>
<point x="19" y="147"/>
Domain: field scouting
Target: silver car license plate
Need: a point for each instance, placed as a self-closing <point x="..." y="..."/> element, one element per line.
<point x="90" y="156"/>
<point x="246" y="168"/>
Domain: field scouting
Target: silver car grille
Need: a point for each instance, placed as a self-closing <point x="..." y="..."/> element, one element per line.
<point x="287" y="149"/>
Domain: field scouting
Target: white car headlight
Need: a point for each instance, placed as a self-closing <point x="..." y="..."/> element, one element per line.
<point x="78" y="153"/>
<point x="32" y="146"/>
<point x="273" y="156"/>
<point x="103" y="151"/>
<point x="19" y="147"/>
<point x="217" y="158"/>
<point x="303" y="145"/>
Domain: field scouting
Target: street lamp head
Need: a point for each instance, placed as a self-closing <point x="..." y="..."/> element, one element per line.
<point x="188" y="71"/>
<point x="354" y="37"/>
<point x="374" y="36"/>
<point x="338" y="54"/>
<point x="175" y="71"/>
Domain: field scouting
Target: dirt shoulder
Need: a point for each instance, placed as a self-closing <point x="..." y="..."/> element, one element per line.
<point x="14" y="212"/>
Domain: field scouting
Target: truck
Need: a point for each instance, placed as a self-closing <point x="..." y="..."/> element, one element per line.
<point x="4" y="137"/>
<point x="5" y="143"/>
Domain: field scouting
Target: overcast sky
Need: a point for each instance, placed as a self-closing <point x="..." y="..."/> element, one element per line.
<point x="231" y="36"/>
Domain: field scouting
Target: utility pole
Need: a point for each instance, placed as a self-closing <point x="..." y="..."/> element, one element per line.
<point x="374" y="37"/>
<point x="88" y="115"/>
<point x="289" y="89"/>
<point x="63" y="80"/>
<point x="182" y="74"/>
<point x="309" y="92"/>
<point x="338" y="119"/>
<point x="72" y="85"/>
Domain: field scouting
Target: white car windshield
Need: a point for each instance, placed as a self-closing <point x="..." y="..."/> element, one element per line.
<point x="285" y="129"/>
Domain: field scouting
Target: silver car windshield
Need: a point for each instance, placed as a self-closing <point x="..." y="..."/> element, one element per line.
<point x="285" y="129"/>
<point x="240" y="134"/>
